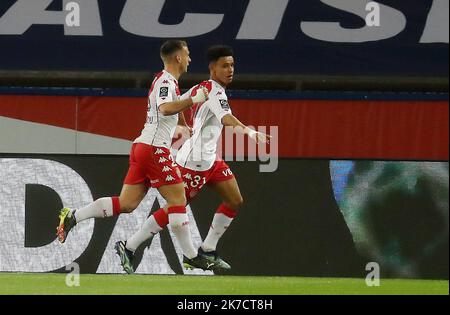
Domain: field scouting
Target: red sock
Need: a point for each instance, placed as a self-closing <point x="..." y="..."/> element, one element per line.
<point x="116" y="206"/>
<point x="177" y="209"/>
<point x="227" y="211"/>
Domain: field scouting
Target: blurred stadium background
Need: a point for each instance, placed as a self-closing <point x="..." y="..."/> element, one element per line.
<point x="362" y="116"/>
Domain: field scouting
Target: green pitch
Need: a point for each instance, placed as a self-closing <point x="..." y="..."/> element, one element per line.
<point x="18" y="283"/>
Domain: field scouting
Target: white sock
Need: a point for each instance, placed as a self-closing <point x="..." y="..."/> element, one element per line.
<point x="100" y="208"/>
<point x="179" y="222"/>
<point x="219" y="225"/>
<point x="147" y="231"/>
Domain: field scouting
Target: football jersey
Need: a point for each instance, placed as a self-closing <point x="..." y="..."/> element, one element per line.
<point x="159" y="129"/>
<point x="199" y="152"/>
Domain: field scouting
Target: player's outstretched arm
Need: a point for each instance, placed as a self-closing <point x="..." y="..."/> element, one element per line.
<point x="232" y="121"/>
<point x="172" y="108"/>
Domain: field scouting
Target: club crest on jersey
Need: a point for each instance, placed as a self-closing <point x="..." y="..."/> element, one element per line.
<point x="224" y="104"/>
<point x="164" y="92"/>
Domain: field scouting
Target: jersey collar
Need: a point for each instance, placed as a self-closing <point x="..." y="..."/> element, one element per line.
<point x="218" y="84"/>
<point x="170" y="76"/>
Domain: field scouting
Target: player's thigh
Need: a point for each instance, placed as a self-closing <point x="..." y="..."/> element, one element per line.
<point x="173" y="194"/>
<point x="229" y="192"/>
<point x="131" y="196"/>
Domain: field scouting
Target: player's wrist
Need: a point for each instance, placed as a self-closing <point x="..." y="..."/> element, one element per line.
<point x="251" y="133"/>
<point x="197" y="99"/>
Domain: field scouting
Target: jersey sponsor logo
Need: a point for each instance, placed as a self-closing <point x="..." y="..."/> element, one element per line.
<point x="162" y="160"/>
<point x="164" y="92"/>
<point x="224" y="104"/>
<point x="227" y="173"/>
<point x="166" y="169"/>
<point x="169" y="178"/>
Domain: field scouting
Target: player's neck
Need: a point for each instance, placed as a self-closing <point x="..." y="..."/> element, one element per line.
<point x="173" y="70"/>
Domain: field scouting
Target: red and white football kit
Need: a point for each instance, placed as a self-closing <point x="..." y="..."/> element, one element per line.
<point x="197" y="158"/>
<point x="150" y="159"/>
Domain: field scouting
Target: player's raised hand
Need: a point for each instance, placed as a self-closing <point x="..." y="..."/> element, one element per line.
<point x="259" y="137"/>
<point x="262" y="138"/>
<point x="201" y="96"/>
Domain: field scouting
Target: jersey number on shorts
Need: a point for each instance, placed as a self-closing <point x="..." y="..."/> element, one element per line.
<point x="196" y="181"/>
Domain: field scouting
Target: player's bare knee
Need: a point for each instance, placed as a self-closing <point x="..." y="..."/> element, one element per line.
<point x="236" y="203"/>
<point x="176" y="202"/>
<point x="128" y="207"/>
<point x="183" y="201"/>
